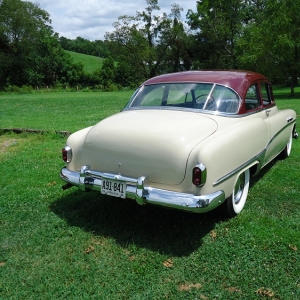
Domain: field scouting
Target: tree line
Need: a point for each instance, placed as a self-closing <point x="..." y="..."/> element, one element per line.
<point x="258" y="35"/>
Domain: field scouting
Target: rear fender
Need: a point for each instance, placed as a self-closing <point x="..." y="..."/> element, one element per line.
<point x="75" y="141"/>
<point x="229" y="152"/>
<point x="227" y="184"/>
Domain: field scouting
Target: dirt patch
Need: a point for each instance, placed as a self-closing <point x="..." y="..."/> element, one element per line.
<point x="21" y="130"/>
<point x="7" y="143"/>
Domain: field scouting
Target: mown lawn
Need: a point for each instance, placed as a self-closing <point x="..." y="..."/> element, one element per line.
<point x="66" y="111"/>
<point x="58" y="244"/>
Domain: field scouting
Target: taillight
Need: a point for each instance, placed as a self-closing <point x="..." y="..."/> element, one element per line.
<point x="199" y="175"/>
<point x="67" y="154"/>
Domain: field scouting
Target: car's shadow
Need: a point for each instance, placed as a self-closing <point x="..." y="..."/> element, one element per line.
<point x="172" y="232"/>
<point x="263" y="172"/>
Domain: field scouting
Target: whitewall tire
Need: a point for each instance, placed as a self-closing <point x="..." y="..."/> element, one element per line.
<point x="236" y="202"/>
<point x="288" y="148"/>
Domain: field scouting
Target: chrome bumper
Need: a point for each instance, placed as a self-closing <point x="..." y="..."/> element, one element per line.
<point x="139" y="190"/>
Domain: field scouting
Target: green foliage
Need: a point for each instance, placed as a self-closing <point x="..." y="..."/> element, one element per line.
<point x="30" y="53"/>
<point x="219" y="23"/>
<point x="148" y="44"/>
<point x="107" y="72"/>
<point x="19" y="90"/>
<point x="273" y="41"/>
<point x="126" y="76"/>
<point x="233" y="34"/>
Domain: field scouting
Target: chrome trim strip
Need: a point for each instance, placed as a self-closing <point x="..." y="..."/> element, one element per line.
<point x="139" y="190"/>
<point x="199" y="111"/>
<point x="209" y="96"/>
<point x="178" y="108"/>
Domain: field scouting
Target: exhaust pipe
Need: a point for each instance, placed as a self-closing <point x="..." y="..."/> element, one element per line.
<point x="67" y="186"/>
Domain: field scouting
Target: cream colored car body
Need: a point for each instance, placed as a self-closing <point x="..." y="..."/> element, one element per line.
<point x="155" y="150"/>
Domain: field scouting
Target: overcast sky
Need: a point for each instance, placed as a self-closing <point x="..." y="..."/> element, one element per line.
<point x="91" y="19"/>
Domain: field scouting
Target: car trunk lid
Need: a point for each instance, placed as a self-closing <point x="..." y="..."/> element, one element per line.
<point x="153" y="143"/>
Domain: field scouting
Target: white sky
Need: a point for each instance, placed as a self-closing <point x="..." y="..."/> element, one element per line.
<point x="91" y="19"/>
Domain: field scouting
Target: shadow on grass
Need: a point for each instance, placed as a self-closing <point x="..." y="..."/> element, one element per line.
<point x="171" y="232"/>
<point x="285" y="96"/>
<point x="263" y="171"/>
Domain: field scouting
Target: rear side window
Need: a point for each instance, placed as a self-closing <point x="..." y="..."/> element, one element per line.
<point x="266" y="93"/>
<point x="252" y="97"/>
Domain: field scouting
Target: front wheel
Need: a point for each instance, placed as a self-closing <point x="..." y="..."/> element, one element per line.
<point x="236" y="202"/>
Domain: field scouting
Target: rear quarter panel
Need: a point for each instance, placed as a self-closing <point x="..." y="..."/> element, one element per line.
<point x="237" y="141"/>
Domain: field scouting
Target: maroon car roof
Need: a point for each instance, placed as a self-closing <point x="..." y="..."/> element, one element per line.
<point x="237" y="80"/>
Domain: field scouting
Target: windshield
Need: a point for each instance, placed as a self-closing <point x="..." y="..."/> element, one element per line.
<point x="204" y="96"/>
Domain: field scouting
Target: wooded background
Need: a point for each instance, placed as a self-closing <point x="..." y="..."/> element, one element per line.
<point x="258" y="35"/>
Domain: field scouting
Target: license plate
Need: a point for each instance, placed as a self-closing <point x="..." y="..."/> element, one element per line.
<point x="113" y="188"/>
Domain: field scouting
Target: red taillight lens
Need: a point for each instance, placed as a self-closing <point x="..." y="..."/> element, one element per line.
<point x="67" y="154"/>
<point x="64" y="155"/>
<point x="199" y="175"/>
<point x="196" y="176"/>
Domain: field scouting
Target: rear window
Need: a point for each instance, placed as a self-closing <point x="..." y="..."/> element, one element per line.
<point x="202" y="96"/>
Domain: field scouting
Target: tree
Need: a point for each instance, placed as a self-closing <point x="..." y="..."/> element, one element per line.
<point x="148" y="43"/>
<point x="107" y="73"/>
<point x="125" y="76"/>
<point x="30" y="53"/>
<point x="219" y="23"/>
<point x="271" y="43"/>
<point x="175" y="36"/>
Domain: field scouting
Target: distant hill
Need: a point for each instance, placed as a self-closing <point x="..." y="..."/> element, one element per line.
<point x="90" y="63"/>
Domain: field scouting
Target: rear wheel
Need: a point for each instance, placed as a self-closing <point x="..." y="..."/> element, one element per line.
<point x="288" y="148"/>
<point x="236" y="202"/>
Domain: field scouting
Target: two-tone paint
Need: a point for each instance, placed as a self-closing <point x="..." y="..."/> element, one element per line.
<point x="154" y="150"/>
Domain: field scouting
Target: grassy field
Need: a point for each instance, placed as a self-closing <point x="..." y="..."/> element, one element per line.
<point x="58" y="244"/>
<point x="69" y="111"/>
<point x="90" y="63"/>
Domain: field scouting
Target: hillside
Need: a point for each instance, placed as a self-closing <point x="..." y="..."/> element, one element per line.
<point x="90" y="63"/>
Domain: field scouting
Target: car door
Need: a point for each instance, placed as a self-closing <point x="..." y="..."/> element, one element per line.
<point x="259" y="100"/>
<point x="279" y="133"/>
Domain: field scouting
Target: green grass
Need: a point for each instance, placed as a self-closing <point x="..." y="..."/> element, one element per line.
<point x="69" y="111"/>
<point x="58" y="244"/>
<point x="284" y="93"/>
<point x="90" y="63"/>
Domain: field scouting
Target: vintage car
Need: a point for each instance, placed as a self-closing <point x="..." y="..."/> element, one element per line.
<point x="188" y="140"/>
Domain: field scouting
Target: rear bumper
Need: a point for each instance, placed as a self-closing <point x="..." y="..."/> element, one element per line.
<point x="139" y="190"/>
